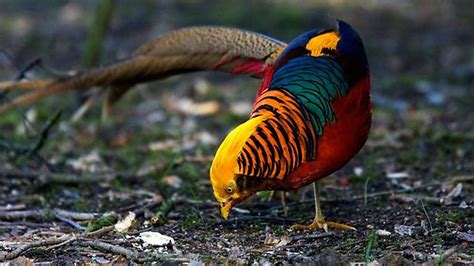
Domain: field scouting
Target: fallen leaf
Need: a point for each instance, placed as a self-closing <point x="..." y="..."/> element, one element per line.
<point x="404" y="230"/>
<point x="284" y="240"/>
<point x="268" y="239"/>
<point x="398" y="175"/>
<point x="466" y="236"/>
<point x="455" y="192"/>
<point x="123" y="225"/>
<point x="382" y="232"/>
<point x="204" y="108"/>
<point x="189" y="107"/>
<point x="100" y="260"/>
<point x="163" y="145"/>
<point x="172" y="181"/>
<point x="463" y="205"/>
<point x="155" y="239"/>
<point x="358" y="171"/>
<point x="91" y="162"/>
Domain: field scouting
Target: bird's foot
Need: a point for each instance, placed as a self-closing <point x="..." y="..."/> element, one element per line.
<point x="271" y="196"/>
<point x="321" y="224"/>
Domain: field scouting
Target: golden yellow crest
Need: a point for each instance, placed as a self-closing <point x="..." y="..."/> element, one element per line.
<point x="224" y="165"/>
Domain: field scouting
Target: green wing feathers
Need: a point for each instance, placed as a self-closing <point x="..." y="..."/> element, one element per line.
<point x="299" y="105"/>
<point x="315" y="81"/>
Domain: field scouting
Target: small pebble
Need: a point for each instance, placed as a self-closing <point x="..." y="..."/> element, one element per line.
<point x="404" y="230"/>
<point x="382" y="232"/>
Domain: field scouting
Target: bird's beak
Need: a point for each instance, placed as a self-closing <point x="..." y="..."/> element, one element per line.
<point x="227" y="204"/>
<point x="225" y="210"/>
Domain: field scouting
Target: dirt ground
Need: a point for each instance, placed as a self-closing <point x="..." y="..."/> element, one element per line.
<point x="409" y="192"/>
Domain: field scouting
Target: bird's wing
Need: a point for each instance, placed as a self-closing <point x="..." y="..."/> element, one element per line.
<point x="315" y="81"/>
<point x="185" y="50"/>
<point x="299" y="103"/>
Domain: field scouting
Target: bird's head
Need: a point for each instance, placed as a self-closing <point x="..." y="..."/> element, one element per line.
<point x="229" y="185"/>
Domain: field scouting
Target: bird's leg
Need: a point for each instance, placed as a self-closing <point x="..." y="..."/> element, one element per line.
<point x="272" y="194"/>
<point x="319" y="221"/>
<point x="283" y="203"/>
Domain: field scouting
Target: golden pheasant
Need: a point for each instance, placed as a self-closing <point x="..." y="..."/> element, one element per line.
<point x="312" y="114"/>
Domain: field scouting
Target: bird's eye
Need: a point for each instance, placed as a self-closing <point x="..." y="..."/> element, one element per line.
<point x="229" y="190"/>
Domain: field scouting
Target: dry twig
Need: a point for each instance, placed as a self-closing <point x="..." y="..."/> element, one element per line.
<point x="70" y="222"/>
<point x="40" y="243"/>
<point x="10" y="207"/>
<point x="44" y="178"/>
<point x="102" y="231"/>
<point x="81" y="216"/>
<point x="73" y="238"/>
<point x="110" y="248"/>
<point x="44" y="213"/>
<point x="44" y="134"/>
<point x="260" y="218"/>
<point x="449" y="252"/>
<point x="313" y="236"/>
<point x="55" y="242"/>
<point x="19" y="215"/>
<point x="303" y="245"/>
<point x="24" y="224"/>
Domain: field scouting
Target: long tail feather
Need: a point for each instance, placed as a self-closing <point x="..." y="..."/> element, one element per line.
<point x="181" y="51"/>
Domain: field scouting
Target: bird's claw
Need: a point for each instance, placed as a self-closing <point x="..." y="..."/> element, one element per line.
<point x="321" y="224"/>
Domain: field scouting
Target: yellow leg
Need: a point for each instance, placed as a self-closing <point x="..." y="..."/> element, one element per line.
<point x="319" y="221"/>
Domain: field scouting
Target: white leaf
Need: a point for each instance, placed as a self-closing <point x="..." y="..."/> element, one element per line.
<point x="381" y="232"/>
<point x="156" y="239"/>
<point x="398" y="175"/>
<point x="123" y="225"/>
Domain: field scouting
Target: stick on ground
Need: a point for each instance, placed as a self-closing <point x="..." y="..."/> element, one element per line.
<point x="110" y="248"/>
<point x="45" y="242"/>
